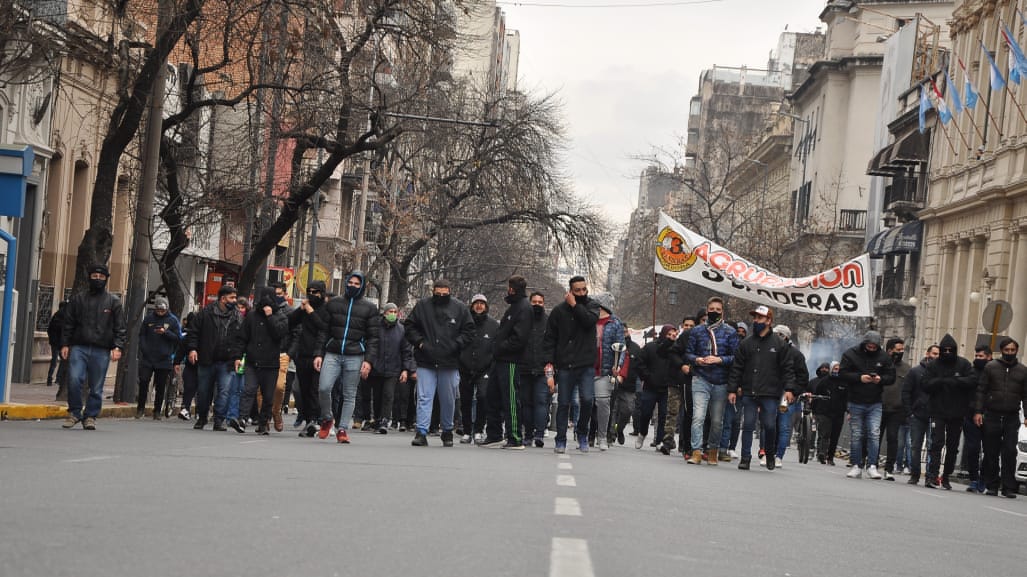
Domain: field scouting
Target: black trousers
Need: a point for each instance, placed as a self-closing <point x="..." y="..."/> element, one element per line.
<point x="160" y="379"/>
<point x="829" y="429"/>
<point x="890" y="423"/>
<point x="620" y="412"/>
<point x="1000" y="430"/>
<point x="472" y="402"/>
<point x="652" y="400"/>
<point x="403" y="408"/>
<point x="190" y="380"/>
<point x="265" y="379"/>
<point x="506" y="381"/>
<point x="307" y="378"/>
<point x="945" y="434"/>
<point x="380" y="394"/>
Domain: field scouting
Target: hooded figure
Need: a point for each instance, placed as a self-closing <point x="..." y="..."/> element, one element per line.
<point x="949" y="383"/>
<point x="867" y="358"/>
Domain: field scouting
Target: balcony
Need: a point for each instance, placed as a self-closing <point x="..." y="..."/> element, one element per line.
<point x="897" y="284"/>
<point x="852" y="220"/>
<point x="902" y="196"/>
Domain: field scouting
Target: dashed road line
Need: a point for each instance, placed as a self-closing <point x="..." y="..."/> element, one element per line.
<point x="91" y="459"/>
<point x="566" y="481"/>
<point x="570" y="558"/>
<point x="564" y="466"/>
<point x="567" y="507"/>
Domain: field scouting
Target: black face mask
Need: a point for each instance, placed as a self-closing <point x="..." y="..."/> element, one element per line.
<point x="712" y="318"/>
<point x="897" y="357"/>
<point x="539" y="310"/>
<point x="581" y="300"/>
<point x="823" y="374"/>
<point x="510" y="299"/>
<point x="478" y="317"/>
<point x="315" y="300"/>
<point x="980" y="363"/>
<point x="947" y="356"/>
<point x="440" y="299"/>
<point x="352" y="291"/>
<point x="1009" y="358"/>
<point x="96" y="285"/>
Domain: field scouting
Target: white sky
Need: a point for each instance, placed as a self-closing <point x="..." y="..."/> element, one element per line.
<point x="625" y="75"/>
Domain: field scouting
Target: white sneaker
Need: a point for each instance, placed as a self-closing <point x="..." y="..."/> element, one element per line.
<point x="763" y="460"/>
<point x="479" y="438"/>
<point x="888" y="476"/>
<point x="872" y="472"/>
<point x="184" y="414"/>
<point x="734" y="454"/>
<point x="778" y="464"/>
<point x="855" y="472"/>
<point x="333" y="431"/>
<point x="639" y="442"/>
<point x="602" y="444"/>
<point x="465" y="440"/>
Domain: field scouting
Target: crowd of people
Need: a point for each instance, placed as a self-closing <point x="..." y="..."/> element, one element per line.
<point x="451" y="369"/>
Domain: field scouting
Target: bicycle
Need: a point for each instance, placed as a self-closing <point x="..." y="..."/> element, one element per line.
<point x="806" y="436"/>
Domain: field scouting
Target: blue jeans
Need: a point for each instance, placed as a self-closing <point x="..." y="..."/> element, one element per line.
<point x="784" y="428"/>
<point x="902" y="462"/>
<point x="332" y="367"/>
<point x="569" y="381"/>
<point x="445" y="382"/>
<point x="712" y="397"/>
<point x="973" y="439"/>
<point x="730" y="426"/>
<point x="767" y="407"/>
<point x="235" y="388"/>
<point x="87" y="365"/>
<point x="865" y="422"/>
<point x="535" y="399"/>
<point x="208" y="376"/>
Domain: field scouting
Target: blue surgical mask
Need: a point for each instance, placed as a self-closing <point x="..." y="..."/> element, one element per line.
<point x="757" y="328"/>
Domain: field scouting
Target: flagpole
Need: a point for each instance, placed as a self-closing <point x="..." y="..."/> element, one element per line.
<point x="948" y="139"/>
<point x="977" y="95"/>
<point x="941" y="99"/>
<point x="1015" y="103"/>
<point x="1009" y="91"/>
<point x="991" y="89"/>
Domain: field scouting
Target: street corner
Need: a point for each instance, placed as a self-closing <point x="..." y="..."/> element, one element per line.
<point x="26" y="412"/>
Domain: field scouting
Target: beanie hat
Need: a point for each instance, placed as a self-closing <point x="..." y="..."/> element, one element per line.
<point x="390" y="307"/>
<point x="479" y="297"/>
<point x="666" y="329"/>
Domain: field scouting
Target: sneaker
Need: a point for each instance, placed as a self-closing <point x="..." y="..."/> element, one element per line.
<point x="888" y="476"/>
<point x="777" y="463"/>
<point x="420" y="440"/>
<point x="539" y="443"/>
<point x="763" y="460"/>
<point x="262" y="429"/>
<point x="872" y="472"/>
<point x="326" y="428"/>
<point x="491" y="443"/>
<point x="466" y="440"/>
<point x="219" y="425"/>
<point x="332" y="431"/>
<point x="639" y="442"/>
<point x="771" y="462"/>
<point x="913" y="480"/>
<point x="724" y="456"/>
<point x="743" y="463"/>
<point x="383" y="427"/>
<point x="311" y="429"/>
<point x="991" y="492"/>
<point x="561" y="447"/>
<point x="513" y="446"/>
<point x="402" y="428"/>
<point x="366" y="427"/>
<point x="1009" y="494"/>
<point x="237" y="425"/>
<point x="931" y="483"/>
<point x="89" y="424"/>
<point x="447" y="438"/>
<point x="855" y="472"/>
<point x="945" y="484"/>
<point x="342" y="437"/>
<point x="479" y="438"/>
<point x="140" y="413"/>
<point x="184" y="414"/>
<point x="297" y="424"/>
<point x="603" y="445"/>
<point x="70" y="421"/>
<point x="583" y="444"/>
<point x="200" y="423"/>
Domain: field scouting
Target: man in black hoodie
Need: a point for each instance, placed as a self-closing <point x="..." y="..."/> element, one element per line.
<point x="346" y="345"/>
<point x="570" y="349"/>
<point x="511" y="339"/>
<point x="394" y="365"/>
<point x="94" y="335"/>
<point x="659" y="367"/>
<point x="211" y="343"/>
<point x="260" y="344"/>
<point x="1001" y="394"/>
<point x="308" y="325"/>
<point x="950" y="384"/>
<point x="893" y="416"/>
<point x="536" y="386"/>
<point x="866" y="369"/>
<point x="476" y="362"/>
<point x="915" y="404"/>
<point x="972" y="435"/>
<point x="439" y="328"/>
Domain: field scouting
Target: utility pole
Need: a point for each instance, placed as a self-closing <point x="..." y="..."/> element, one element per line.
<point x="365" y="181"/>
<point x="135" y="304"/>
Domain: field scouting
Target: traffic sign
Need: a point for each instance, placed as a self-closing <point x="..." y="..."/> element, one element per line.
<point x="997" y="316"/>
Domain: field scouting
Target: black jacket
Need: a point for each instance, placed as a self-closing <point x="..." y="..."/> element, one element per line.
<point x="306" y="328"/>
<point x="891" y="397"/>
<point x="94" y="320"/>
<point x="514" y="330"/>
<point x="570" y="341"/>
<point x="395" y="354"/>
<point x="855" y="363"/>
<point x="630" y="382"/>
<point x="950" y="383"/>
<point x="439" y="332"/>
<point x="834" y="387"/>
<point x="56" y="326"/>
<point x="532" y="360"/>
<point x="260" y="337"/>
<point x="351" y="326"/>
<point x="1002" y="388"/>
<point x="157" y="350"/>
<point x="799" y="368"/>
<point x="659" y="366"/>
<point x="213" y="334"/>
<point x="762" y="367"/>
<point x="915" y="400"/>
<point x="477" y="357"/>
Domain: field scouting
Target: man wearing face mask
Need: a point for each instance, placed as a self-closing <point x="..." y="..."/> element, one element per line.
<point x="158" y="338"/>
<point x="345" y="347"/>
<point x="867" y="369"/>
<point x="536" y="386"/>
<point x="1001" y="394"/>
<point x="476" y="362"/>
<point x="308" y="323"/>
<point x="609" y="330"/>
<point x="830" y="412"/>
<point x="512" y="337"/>
<point x="211" y="344"/>
<point x="709" y="350"/>
<point x="915" y="403"/>
<point x="438" y="328"/>
<point x="259" y="342"/>
<point x="950" y="383"/>
<point x="394" y="365"/>
<point x="659" y="367"/>
<point x="281" y="301"/>
<point x="972" y="437"/>
<point x="893" y="416"/>
<point x="94" y="334"/>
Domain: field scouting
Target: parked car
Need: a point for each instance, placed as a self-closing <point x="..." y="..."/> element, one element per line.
<point x="1021" y="454"/>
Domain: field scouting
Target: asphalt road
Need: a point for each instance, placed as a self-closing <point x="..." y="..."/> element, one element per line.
<point x="144" y="498"/>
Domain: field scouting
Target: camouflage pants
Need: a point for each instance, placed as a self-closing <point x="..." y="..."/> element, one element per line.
<point x="670" y="424"/>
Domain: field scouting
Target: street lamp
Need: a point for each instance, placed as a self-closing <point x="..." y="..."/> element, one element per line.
<point x="805" y="155"/>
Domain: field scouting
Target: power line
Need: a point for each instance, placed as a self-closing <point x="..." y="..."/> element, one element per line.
<point x="668" y="3"/>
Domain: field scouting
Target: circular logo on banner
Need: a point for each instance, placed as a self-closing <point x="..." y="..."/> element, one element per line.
<point x="673" y="252"/>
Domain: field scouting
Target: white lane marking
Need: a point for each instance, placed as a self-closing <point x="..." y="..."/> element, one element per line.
<point x="249" y="442"/>
<point x="929" y="494"/>
<point x="570" y="558"/>
<point x="564" y="456"/>
<point x="91" y="459"/>
<point x="566" y="481"/>
<point x="567" y="506"/>
<point x="564" y="466"/>
<point x="1006" y="512"/>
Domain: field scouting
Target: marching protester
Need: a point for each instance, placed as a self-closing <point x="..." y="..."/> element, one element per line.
<point x="260" y="345"/>
<point x="628" y="386"/>
<point x="682" y="421"/>
<point x="830" y="412"/>
<point x="658" y="367"/>
<point x="186" y="371"/>
<point x="610" y="330"/>
<point x="915" y="404"/>
<point x="1001" y="395"/>
<point x="512" y="338"/>
<point x="476" y="363"/>
<point x="158" y="339"/>
<point x="308" y="324"/>
<point x="893" y="416"/>
<point x="211" y="343"/>
<point x="950" y="384"/>
<point x="392" y="367"/>
<point x="972" y="435"/>
<point x="867" y="370"/>
<point x="801" y="375"/>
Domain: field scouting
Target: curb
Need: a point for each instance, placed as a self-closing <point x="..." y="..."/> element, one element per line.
<point x="19" y="412"/>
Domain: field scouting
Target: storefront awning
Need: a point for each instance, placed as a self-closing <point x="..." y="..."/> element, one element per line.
<point x="910" y="150"/>
<point x="876" y="165"/>
<point x="904" y="239"/>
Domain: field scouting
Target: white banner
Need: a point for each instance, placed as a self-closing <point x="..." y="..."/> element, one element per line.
<point x="843" y="290"/>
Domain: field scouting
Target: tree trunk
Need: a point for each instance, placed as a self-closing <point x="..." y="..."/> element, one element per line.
<point x="172" y="216"/>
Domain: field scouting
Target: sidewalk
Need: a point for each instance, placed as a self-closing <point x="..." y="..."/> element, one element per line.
<point x="30" y="402"/>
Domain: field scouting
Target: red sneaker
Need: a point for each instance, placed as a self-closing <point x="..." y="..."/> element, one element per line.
<point x="326" y="428"/>
<point x="342" y="437"/>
